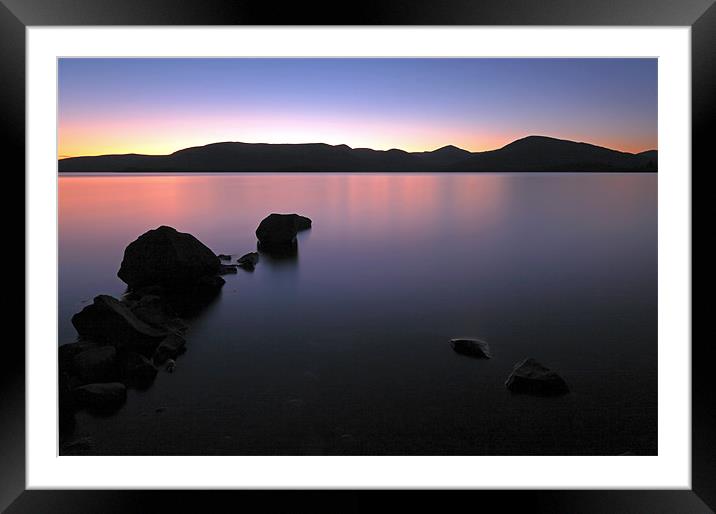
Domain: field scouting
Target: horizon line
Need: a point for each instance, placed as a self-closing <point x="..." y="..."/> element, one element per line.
<point x="64" y="156"/>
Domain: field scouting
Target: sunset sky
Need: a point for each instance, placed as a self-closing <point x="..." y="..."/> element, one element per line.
<point x="157" y="106"/>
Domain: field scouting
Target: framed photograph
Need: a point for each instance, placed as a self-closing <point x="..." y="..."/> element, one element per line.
<point x="424" y="247"/>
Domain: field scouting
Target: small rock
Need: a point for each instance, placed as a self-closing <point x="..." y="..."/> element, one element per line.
<point x="101" y="396"/>
<point x="471" y="347"/>
<point x="248" y="261"/>
<point x="226" y="269"/>
<point x="224" y="257"/>
<point x="531" y="377"/>
<point x="172" y="346"/>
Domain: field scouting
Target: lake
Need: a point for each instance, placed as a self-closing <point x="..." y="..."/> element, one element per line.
<point x="344" y="348"/>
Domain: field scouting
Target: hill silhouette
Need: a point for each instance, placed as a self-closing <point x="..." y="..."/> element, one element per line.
<point x="532" y="153"/>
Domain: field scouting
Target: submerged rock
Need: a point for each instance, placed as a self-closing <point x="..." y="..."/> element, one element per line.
<point x="96" y="364"/>
<point x="101" y="396"/>
<point x="109" y="320"/>
<point x="531" y="377"/>
<point x="278" y="231"/>
<point x="166" y="257"/>
<point x="471" y="347"/>
<point x="248" y="261"/>
<point x="227" y="269"/>
<point x="171" y="347"/>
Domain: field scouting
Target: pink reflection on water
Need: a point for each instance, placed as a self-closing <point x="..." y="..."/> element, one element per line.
<point x="91" y="205"/>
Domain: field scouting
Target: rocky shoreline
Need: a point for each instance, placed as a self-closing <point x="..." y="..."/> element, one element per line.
<point x="123" y="343"/>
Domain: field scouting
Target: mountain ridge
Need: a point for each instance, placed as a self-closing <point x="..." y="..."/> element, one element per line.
<point x="531" y="153"/>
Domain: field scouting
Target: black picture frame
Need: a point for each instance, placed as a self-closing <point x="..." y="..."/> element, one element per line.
<point x="17" y="15"/>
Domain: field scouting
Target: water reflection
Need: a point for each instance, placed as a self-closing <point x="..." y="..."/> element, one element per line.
<point x="285" y="257"/>
<point x="561" y="267"/>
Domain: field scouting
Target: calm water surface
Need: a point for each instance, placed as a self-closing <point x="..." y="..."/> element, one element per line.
<point x="343" y="350"/>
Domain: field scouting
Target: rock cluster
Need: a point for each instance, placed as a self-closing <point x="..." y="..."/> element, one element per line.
<point x="123" y="342"/>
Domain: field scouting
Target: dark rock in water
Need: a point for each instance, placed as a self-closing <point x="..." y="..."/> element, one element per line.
<point x="302" y="222"/>
<point x="227" y="269"/>
<point x="109" y="320"/>
<point x="103" y="396"/>
<point x="248" y="261"/>
<point x="531" y="377"/>
<point x="96" y="364"/>
<point x="471" y="347"/>
<point x="155" y="311"/>
<point x="170" y="347"/>
<point x="278" y="231"/>
<point x="224" y="257"/>
<point x="139" y="370"/>
<point x="167" y="257"/>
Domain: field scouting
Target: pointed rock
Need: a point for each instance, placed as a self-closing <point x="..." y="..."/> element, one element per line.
<point x="531" y="377"/>
<point x="166" y="257"/>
